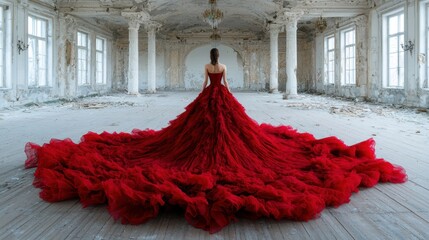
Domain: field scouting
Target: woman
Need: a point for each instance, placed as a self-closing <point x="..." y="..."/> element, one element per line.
<point x="214" y="67"/>
<point x="213" y="161"/>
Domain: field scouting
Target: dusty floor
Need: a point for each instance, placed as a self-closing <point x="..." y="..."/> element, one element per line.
<point x="387" y="211"/>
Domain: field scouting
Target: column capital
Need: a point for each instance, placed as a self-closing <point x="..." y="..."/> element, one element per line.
<point x="290" y="17"/>
<point x="152" y="25"/>
<point x="274" y="28"/>
<point x="71" y="22"/>
<point x="136" y="18"/>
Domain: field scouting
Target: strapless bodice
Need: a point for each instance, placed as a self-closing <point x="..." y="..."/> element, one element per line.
<point x="215" y="78"/>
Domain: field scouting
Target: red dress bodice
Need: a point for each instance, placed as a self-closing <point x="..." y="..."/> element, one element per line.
<point x="215" y="78"/>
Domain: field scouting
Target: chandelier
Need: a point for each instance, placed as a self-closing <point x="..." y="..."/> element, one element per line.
<point x="213" y="16"/>
<point x="321" y="24"/>
<point x="215" y="35"/>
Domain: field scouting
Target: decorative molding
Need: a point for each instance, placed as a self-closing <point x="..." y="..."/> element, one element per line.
<point x="106" y="2"/>
<point x="136" y="18"/>
<point x="23" y="2"/>
<point x="361" y="21"/>
<point x="274" y="28"/>
<point x="312" y="3"/>
<point x="152" y="25"/>
<point x="71" y="22"/>
<point x="290" y="18"/>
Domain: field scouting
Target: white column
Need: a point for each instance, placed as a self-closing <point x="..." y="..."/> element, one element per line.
<point x="291" y="20"/>
<point x="135" y="18"/>
<point x="274" y="53"/>
<point x="133" y="57"/>
<point x="151" y="84"/>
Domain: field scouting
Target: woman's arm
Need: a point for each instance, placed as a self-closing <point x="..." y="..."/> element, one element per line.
<point x="225" y="82"/>
<point x="206" y="76"/>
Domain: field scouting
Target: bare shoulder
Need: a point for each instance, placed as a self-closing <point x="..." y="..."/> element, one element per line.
<point x="223" y="66"/>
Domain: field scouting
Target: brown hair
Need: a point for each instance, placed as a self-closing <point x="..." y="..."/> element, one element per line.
<point x="214" y="56"/>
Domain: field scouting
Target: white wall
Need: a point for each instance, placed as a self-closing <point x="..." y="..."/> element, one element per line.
<point x="198" y="57"/>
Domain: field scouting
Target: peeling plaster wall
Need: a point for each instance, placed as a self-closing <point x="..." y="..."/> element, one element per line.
<point x="61" y="69"/>
<point x="67" y="57"/>
<point x="412" y="94"/>
<point x="180" y="64"/>
<point x="198" y="57"/>
<point x="180" y="59"/>
<point x="370" y="82"/>
<point x="358" y="90"/>
<point x="17" y="90"/>
<point x="305" y="67"/>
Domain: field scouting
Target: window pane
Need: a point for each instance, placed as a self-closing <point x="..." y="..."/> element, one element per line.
<point x="395" y="54"/>
<point x="82" y="66"/>
<point x="393" y="77"/>
<point x="100" y="61"/>
<point x="99" y="43"/>
<point x="32" y="62"/>
<point x="349" y="57"/>
<point x="2" y="83"/>
<point x="42" y="77"/>
<point x="393" y="25"/>
<point x="401" y="40"/>
<point x="331" y="43"/>
<point x="82" y="39"/>
<point x="401" y="77"/>
<point x="43" y="28"/>
<point x="401" y="23"/>
<point x="426" y="78"/>
<point x="331" y="56"/>
<point x="350" y="37"/>
<point x="329" y="59"/>
<point x="37" y="51"/>
<point x="30" y="26"/>
<point x="393" y="44"/>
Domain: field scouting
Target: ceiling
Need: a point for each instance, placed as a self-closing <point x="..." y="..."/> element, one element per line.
<point x="185" y="16"/>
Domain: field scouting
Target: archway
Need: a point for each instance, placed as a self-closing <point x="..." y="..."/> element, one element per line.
<point x="198" y="57"/>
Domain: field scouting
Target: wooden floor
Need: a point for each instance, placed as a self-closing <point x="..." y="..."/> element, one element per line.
<point x="387" y="211"/>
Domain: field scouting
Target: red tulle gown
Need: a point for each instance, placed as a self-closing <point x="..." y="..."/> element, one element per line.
<point x="214" y="162"/>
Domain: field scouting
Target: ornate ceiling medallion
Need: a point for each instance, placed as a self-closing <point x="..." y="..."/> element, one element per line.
<point x="213" y="16"/>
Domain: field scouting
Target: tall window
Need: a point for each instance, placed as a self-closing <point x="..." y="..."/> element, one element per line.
<point x="348" y="57"/>
<point x="395" y="54"/>
<point x="330" y="60"/>
<point x="2" y="48"/>
<point x="82" y="58"/>
<point x="100" y="58"/>
<point x="37" y="51"/>
<point x="426" y="79"/>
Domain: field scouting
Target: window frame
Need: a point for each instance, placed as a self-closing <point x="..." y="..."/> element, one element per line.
<point x="87" y="59"/>
<point x="424" y="39"/>
<point x="345" y="70"/>
<point x="48" y="51"/>
<point x="6" y="56"/>
<point x="386" y="49"/>
<point x="103" y="53"/>
<point x="329" y="72"/>
<point x="2" y="48"/>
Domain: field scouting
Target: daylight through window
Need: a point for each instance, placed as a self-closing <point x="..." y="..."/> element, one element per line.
<point x="37" y="51"/>
<point x="330" y="60"/>
<point x="82" y="58"/>
<point x="349" y="57"/>
<point x="100" y="65"/>
<point x="395" y="53"/>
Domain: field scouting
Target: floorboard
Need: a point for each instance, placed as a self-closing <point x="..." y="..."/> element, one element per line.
<point x="386" y="211"/>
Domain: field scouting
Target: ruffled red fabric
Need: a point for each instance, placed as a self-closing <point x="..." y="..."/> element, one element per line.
<point x="214" y="162"/>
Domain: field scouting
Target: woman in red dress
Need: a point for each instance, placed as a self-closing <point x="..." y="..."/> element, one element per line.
<point x="213" y="161"/>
